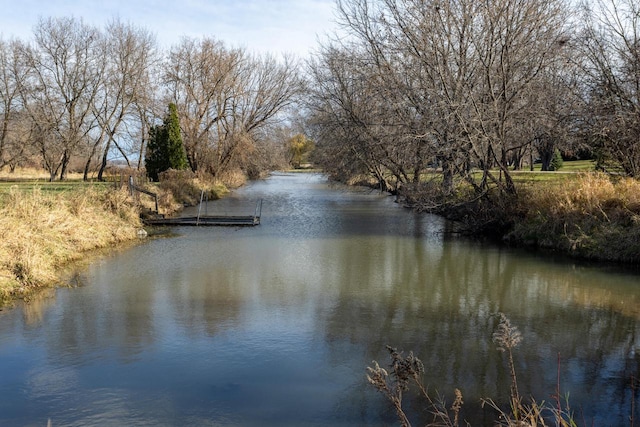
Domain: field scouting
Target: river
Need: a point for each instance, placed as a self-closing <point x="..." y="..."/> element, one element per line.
<point x="276" y="324"/>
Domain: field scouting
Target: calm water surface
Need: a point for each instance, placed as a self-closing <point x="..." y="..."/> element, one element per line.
<point x="275" y="325"/>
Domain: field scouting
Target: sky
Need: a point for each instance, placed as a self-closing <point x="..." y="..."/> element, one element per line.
<point x="262" y="26"/>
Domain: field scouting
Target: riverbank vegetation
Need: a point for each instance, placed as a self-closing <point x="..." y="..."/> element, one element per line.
<point x="42" y="230"/>
<point x="585" y="214"/>
<point x="45" y="225"/>
<point x="592" y="216"/>
<point x="448" y="103"/>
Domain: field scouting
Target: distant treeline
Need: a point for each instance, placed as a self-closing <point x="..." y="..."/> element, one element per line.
<point x="75" y="96"/>
<point x="470" y="90"/>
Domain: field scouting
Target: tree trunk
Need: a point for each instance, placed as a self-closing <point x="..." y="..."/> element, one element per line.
<point x="64" y="165"/>
<point x="447" y="176"/>
<point x="103" y="164"/>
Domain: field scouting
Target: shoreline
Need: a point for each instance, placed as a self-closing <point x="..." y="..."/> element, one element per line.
<point x="590" y="218"/>
<point x="42" y="232"/>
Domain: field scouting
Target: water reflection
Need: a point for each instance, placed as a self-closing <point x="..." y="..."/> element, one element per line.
<point x="274" y="325"/>
<point x="37" y="305"/>
<point x="442" y="309"/>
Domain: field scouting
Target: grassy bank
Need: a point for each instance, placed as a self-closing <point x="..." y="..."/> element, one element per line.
<point x="583" y="214"/>
<point x="44" y="225"/>
<point x="42" y="230"/>
<point x="593" y="216"/>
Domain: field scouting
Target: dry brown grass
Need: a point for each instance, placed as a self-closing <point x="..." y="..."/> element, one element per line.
<point x="32" y="174"/>
<point x="42" y="228"/>
<point x="594" y="216"/>
<point x="234" y="178"/>
<point x="589" y="215"/>
<point x="41" y="231"/>
<point x="185" y="188"/>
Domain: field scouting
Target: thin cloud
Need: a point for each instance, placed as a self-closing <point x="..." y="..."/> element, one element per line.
<point x="274" y="26"/>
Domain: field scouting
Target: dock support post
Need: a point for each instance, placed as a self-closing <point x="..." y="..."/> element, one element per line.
<point x="258" y="212"/>
<point x="200" y="207"/>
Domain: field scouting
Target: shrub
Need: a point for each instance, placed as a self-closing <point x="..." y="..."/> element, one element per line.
<point x="186" y="187"/>
<point x="165" y="149"/>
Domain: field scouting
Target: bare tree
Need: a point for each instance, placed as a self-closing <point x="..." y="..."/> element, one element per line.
<point x="416" y="59"/>
<point x="436" y="41"/>
<point x="131" y="56"/>
<point x="611" y="49"/>
<point x="553" y="126"/>
<point x="266" y="88"/>
<point x="450" y="83"/>
<point x="519" y="40"/>
<point x="13" y="127"/>
<point x="67" y="64"/>
<point x="201" y="76"/>
<point x="341" y="114"/>
<point x="225" y="98"/>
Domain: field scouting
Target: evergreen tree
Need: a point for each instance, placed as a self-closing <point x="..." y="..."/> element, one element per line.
<point x="164" y="149"/>
<point x="556" y="161"/>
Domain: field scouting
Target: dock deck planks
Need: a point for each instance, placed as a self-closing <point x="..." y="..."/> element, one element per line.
<point x="240" y="221"/>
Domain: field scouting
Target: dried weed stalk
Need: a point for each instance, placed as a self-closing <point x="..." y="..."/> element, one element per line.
<point x="404" y="372"/>
<point x="407" y="371"/>
<point x="507" y="337"/>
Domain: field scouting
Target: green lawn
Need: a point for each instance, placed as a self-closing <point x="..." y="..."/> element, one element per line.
<point x="572" y="166"/>
<point x="569" y="170"/>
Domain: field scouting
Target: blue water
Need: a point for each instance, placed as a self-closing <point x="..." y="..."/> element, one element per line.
<point x="276" y="324"/>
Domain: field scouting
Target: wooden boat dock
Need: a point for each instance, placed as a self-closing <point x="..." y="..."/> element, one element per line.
<point x="156" y="219"/>
<point x="206" y="220"/>
<point x="209" y="220"/>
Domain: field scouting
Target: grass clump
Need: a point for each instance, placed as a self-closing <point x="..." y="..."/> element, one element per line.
<point x="185" y="187"/>
<point x="594" y="216"/>
<point x="41" y="231"/>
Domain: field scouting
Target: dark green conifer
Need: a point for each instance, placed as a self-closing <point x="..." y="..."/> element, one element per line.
<point x="164" y="149"/>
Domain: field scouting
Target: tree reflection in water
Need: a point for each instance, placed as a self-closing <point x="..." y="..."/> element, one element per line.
<point x="275" y="325"/>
